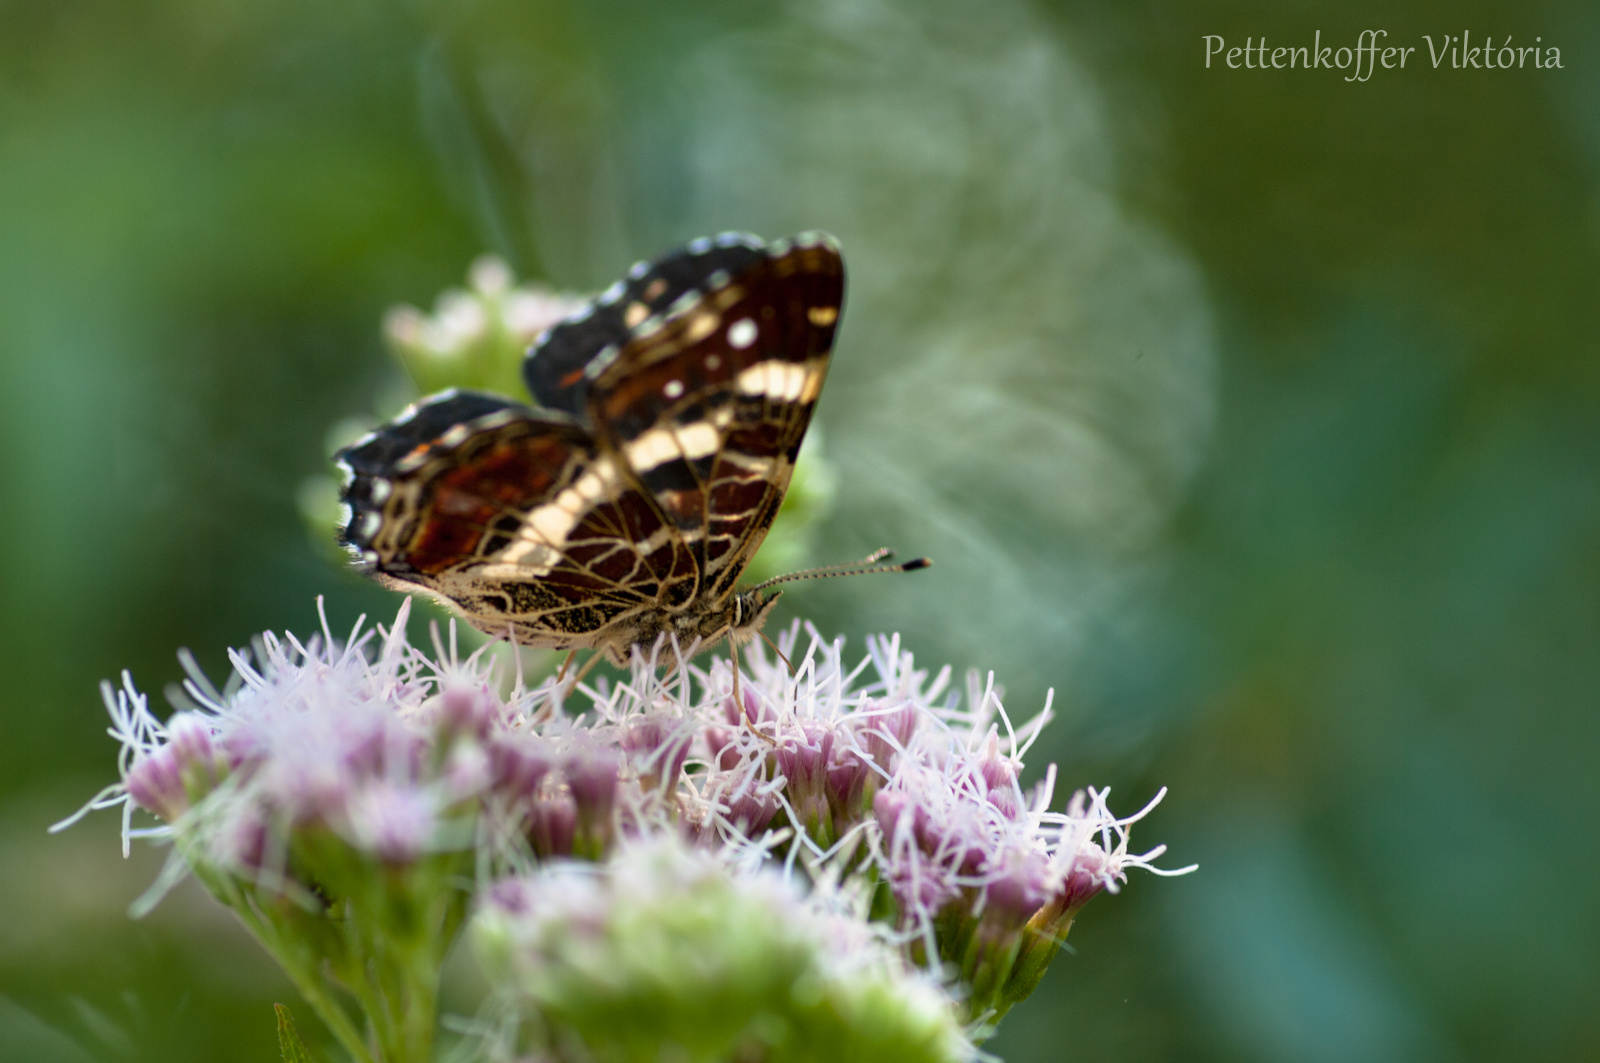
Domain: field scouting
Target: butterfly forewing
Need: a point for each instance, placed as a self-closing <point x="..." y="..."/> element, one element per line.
<point x="708" y="407"/>
<point x="572" y="353"/>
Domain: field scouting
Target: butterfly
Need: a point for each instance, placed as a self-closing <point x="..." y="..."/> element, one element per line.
<point x="625" y="506"/>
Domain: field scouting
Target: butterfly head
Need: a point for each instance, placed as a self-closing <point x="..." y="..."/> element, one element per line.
<point x="748" y="611"/>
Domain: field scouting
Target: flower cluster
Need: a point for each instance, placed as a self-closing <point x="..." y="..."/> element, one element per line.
<point x="476" y="336"/>
<point x="676" y="945"/>
<point x="889" y="774"/>
<point x="355" y="800"/>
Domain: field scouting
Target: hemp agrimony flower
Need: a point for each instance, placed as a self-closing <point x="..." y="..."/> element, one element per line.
<point x="476" y="337"/>
<point x="816" y="859"/>
<point x="669" y="945"/>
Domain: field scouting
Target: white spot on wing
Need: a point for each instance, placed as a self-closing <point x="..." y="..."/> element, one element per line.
<point x="742" y="333"/>
<point x="494" y="420"/>
<point x="700" y="326"/>
<point x="783" y="381"/>
<point x="684" y="302"/>
<point x="661" y="445"/>
<point x="604" y="357"/>
<point x="659" y="538"/>
<point x="551" y="523"/>
<point x="813" y="386"/>
<point x="536" y="548"/>
<point x="673" y="389"/>
<point x="653" y="448"/>
<point x="752" y="465"/>
<point x="531" y="559"/>
<point x="698" y="440"/>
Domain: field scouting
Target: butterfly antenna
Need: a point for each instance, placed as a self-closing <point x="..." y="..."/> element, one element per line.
<point x="873" y="562"/>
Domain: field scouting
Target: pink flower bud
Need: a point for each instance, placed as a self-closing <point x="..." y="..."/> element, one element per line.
<point x="753" y="712"/>
<point x="847" y="786"/>
<point x="244" y="842"/>
<point x="885" y="731"/>
<point x="1090" y="873"/>
<point x="803" y="760"/>
<point x="752" y="812"/>
<point x="155" y="782"/>
<point x="517" y="766"/>
<point x="170" y="779"/>
<point x="466" y="710"/>
<point x="1020" y="887"/>
<point x="657" y="752"/>
<point x="592" y="777"/>
<point x="552" y="826"/>
<point x="189" y="738"/>
<point x="511" y="895"/>
<point x="395" y="822"/>
<point x="721" y="748"/>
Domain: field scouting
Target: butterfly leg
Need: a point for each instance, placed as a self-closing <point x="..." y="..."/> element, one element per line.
<point x="562" y="674"/>
<point x="738" y="699"/>
<point x="779" y="652"/>
<point x="588" y="666"/>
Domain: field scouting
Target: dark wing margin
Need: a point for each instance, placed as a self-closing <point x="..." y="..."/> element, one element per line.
<point x="706" y="406"/>
<point x="397" y="477"/>
<point x="561" y="364"/>
<point x="512" y="514"/>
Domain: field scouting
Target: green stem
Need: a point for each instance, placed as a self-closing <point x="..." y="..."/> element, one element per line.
<point x="310" y="983"/>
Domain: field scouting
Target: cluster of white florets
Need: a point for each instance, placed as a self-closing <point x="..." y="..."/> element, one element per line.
<point x="874" y="780"/>
<point x="475" y="336"/>
<point x="672" y="944"/>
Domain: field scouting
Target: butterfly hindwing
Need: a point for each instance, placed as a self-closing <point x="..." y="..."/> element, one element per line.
<point x="512" y="514"/>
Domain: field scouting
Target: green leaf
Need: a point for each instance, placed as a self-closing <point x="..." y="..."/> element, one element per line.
<point x="294" y="1050"/>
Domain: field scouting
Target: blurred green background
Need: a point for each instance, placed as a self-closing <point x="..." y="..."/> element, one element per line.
<point x="1257" y="413"/>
